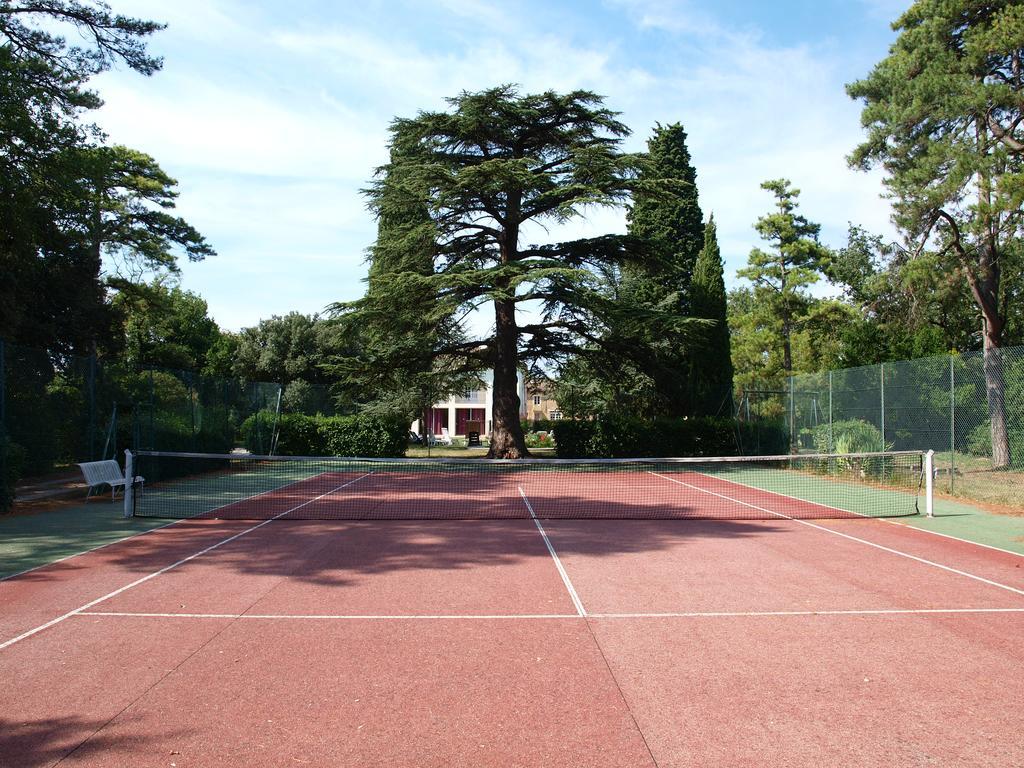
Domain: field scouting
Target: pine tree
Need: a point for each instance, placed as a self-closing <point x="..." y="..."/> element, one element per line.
<point x="781" y="274"/>
<point x="711" y="363"/>
<point x="944" y="117"/>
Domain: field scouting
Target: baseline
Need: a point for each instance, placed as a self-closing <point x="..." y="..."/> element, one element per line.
<point x="525" y="616"/>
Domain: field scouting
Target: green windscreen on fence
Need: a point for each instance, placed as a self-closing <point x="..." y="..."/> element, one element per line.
<point x="967" y="407"/>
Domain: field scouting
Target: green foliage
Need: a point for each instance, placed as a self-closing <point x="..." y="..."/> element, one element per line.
<point x="624" y="437"/>
<point x="600" y="379"/>
<point x="667" y="219"/>
<point x="668" y="224"/>
<point x="907" y="306"/>
<point x="71" y="205"/>
<point x="979" y="442"/>
<point x="540" y="425"/>
<point x="781" y="275"/>
<point x="711" y="372"/>
<point x="850" y="436"/>
<point x="359" y="435"/>
<point x="294" y="350"/>
<point x="165" y="326"/>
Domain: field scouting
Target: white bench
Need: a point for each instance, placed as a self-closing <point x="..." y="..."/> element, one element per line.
<point x="100" y="473"/>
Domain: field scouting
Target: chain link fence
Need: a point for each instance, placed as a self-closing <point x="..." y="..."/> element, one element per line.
<point x="58" y="410"/>
<point x="968" y="408"/>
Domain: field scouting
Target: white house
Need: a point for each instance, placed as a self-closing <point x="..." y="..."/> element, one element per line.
<point x="471" y="405"/>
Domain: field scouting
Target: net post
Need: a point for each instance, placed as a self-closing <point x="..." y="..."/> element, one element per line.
<point x="129" y="483"/>
<point x="929" y="483"/>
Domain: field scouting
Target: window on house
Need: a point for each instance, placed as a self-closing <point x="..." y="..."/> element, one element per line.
<point x="556" y="415"/>
<point x="536" y="399"/>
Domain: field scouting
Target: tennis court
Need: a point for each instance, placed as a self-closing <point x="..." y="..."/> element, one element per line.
<point x="586" y="614"/>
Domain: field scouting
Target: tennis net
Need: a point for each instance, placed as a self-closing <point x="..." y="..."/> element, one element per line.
<point x="249" y="487"/>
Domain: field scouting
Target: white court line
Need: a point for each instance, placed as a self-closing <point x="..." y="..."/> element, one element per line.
<point x="93" y="549"/>
<point x="477" y="616"/>
<point x="903" y="525"/>
<point x="165" y="569"/>
<point x="157" y="527"/>
<point x="845" y="612"/>
<point x="907" y="555"/>
<point x="580" y="610"/>
<point x="337" y="617"/>
<point x="908" y="527"/>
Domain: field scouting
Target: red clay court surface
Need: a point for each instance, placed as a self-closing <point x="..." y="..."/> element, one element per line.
<point x="487" y="642"/>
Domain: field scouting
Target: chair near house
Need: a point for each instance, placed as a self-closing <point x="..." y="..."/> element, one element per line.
<point x="443" y="439"/>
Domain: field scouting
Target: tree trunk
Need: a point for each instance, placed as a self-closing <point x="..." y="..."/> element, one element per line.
<point x="995" y="390"/>
<point x="426" y="427"/>
<point x="507" y="440"/>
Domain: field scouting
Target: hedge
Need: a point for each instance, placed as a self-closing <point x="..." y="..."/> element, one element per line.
<point x="623" y="437"/>
<point x="359" y="435"/>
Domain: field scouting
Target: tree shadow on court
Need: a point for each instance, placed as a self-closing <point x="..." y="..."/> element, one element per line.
<point x="492" y="527"/>
<point x="47" y="741"/>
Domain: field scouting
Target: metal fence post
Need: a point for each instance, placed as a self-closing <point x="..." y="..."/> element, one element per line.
<point x="881" y="376"/>
<point x="792" y="414"/>
<point x="3" y="386"/>
<point x="92" y="405"/>
<point x="831" y="437"/>
<point x="952" y="422"/>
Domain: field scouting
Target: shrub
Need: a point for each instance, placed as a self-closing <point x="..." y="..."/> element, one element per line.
<point x="302" y="435"/>
<point x="539" y="440"/>
<point x="979" y="442"/>
<point x="364" y="435"/>
<point x="851" y="436"/>
<point x="623" y="437"/>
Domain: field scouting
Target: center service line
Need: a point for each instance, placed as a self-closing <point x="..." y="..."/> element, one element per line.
<point x="580" y="610"/>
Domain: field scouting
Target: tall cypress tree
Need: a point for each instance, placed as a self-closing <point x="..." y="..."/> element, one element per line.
<point x="711" y="363"/>
<point x="667" y="219"/>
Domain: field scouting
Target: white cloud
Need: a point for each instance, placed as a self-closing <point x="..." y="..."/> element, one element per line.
<point x="273" y="125"/>
<point x="216" y="127"/>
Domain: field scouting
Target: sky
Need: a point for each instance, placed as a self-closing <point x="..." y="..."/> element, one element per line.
<point x="273" y="116"/>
